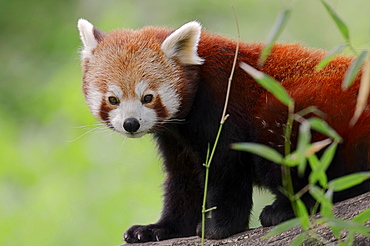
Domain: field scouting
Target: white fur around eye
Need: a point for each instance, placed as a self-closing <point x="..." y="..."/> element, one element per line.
<point x="133" y="109"/>
<point x="170" y="99"/>
<point x="141" y="88"/>
<point x="116" y="91"/>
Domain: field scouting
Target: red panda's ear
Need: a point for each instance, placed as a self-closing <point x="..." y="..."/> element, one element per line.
<point x="183" y="44"/>
<point x="90" y="37"/>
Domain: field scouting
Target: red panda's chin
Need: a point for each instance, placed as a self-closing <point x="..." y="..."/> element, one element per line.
<point x="134" y="134"/>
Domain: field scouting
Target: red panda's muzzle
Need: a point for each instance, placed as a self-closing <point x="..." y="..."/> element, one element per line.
<point x="131" y="125"/>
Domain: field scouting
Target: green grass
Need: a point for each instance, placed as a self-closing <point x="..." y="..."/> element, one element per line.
<point x="56" y="192"/>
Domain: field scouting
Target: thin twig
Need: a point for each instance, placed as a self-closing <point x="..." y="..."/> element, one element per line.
<point x="223" y="119"/>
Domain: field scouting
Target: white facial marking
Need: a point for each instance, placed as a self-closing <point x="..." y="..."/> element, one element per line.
<point x="141" y="88"/>
<point x="93" y="99"/>
<point x="132" y="108"/>
<point x="170" y="99"/>
<point x="116" y="91"/>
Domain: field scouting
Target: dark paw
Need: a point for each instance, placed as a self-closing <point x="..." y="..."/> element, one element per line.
<point x="215" y="230"/>
<point x="148" y="233"/>
<point x="275" y="214"/>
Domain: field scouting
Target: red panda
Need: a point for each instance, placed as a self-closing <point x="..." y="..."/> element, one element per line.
<point x="172" y="84"/>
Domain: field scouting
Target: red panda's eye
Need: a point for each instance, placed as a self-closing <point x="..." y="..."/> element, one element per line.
<point x="113" y="100"/>
<point x="147" y="98"/>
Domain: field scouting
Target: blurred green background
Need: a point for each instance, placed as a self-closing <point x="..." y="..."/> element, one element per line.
<point x="64" y="180"/>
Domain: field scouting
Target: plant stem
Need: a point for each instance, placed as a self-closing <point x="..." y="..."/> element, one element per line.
<point x="207" y="165"/>
<point x="223" y="119"/>
<point x="224" y="116"/>
<point x="288" y="129"/>
<point x="285" y="170"/>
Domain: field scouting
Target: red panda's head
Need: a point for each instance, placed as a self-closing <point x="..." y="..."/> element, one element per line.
<point x="134" y="81"/>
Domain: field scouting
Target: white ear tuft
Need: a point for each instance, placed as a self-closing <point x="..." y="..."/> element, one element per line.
<point x="183" y="44"/>
<point x="87" y="37"/>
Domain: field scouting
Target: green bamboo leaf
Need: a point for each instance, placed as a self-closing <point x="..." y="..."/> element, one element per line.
<point x="330" y="56"/>
<point x="350" y="238"/>
<point x="319" y="177"/>
<point x="348" y="181"/>
<point x="314" y="161"/>
<point x="326" y="209"/>
<point x="349" y="225"/>
<point x="304" y="139"/>
<point x="316" y="174"/>
<point x="286" y="225"/>
<point x="328" y="156"/>
<point x="261" y="150"/>
<point x="303" y="214"/>
<point x="329" y="193"/>
<point x="362" y="217"/>
<point x="328" y="222"/>
<point x="363" y="93"/>
<point x="326" y="206"/>
<point x="275" y="32"/>
<point x="320" y="125"/>
<point x="319" y="195"/>
<point x="298" y="241"/>
<point x="325" y="162"/>
<point x="291" y="160"/>
<point x="271" y="85"/>
<point x="338" y="21"/>
<point x="336" y="232"/>
<point x="353" y="70"/>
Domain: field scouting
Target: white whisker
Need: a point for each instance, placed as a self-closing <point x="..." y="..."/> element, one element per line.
<point x="175" y="121"/>
<point x="95" y="128"/>
<point x="95" y="124"/>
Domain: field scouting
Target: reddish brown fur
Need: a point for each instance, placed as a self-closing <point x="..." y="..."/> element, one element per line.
<point x="295" y="67"/>
<point x="124" y="57"/>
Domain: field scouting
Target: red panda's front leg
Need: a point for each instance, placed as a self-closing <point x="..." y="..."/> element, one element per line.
<point x="230" y="194"/>
<point x="182" y="198"/>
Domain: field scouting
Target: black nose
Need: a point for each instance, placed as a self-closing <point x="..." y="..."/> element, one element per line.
<point x="131" y="125"/>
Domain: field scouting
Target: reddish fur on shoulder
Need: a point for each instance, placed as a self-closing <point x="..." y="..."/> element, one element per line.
<point x="295" y="67"/>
